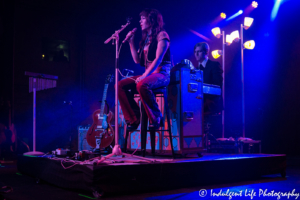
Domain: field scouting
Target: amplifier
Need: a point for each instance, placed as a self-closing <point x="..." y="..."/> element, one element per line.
<point x="82" y="143"/>
<point x="185" y="98"/>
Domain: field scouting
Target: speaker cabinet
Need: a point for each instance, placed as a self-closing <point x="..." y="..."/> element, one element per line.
<point x="82" y="143"/>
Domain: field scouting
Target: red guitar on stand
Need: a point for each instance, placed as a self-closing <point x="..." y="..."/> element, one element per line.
<point x="101" y="123"/>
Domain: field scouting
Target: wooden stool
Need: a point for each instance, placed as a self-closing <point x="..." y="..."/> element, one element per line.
<point x="144" y="123"/>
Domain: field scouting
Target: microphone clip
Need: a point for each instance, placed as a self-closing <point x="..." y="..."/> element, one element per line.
<point x="128" y="19"/>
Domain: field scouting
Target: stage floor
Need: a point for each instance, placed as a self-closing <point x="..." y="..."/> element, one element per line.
<point x="119" y="175"/>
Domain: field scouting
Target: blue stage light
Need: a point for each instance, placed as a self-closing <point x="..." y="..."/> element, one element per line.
<point x="235" y="15"/>
<point x="275" y="9"/>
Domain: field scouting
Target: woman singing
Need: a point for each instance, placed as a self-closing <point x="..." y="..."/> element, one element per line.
<point x="154" y="55"/>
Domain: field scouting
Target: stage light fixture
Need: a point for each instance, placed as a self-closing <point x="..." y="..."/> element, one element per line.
<point x="254" y="4"/>
<point x="249" y="44"/>
<point x="240" y="12"/>
<point x="223" y="15"/>
<point x="216" y="54"/>
<point x="216" y="31"/>
<point x="228" y="40"/>
<point x="248" y="22"/>
<point x="235" y="36"/>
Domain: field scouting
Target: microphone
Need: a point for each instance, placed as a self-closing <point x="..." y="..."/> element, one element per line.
<point x="129" y="36"/>
<point x="127" y="70"/>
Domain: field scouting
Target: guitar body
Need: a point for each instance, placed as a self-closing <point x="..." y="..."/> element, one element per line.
<point x="101" y="127"/>
<point x="101" y="123"/>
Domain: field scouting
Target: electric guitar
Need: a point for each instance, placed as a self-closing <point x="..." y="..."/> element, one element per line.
<point x="101" y="122"/>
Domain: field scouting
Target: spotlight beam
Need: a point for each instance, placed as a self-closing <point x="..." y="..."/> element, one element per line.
<point x="275" y="9"/>
<point x="235" y="15"/>
<point x="200" y="35"/>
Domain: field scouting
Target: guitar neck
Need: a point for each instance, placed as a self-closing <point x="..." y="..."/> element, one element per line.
<point x="103" y="99"/>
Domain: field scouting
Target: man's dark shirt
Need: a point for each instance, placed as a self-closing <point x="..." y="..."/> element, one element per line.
<point x="212" y="74"/>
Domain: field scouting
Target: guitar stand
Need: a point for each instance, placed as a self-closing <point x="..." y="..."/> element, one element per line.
<point x="116" y="151"/>
<point x="98" y="142"/>
<point x="97" y="149"/>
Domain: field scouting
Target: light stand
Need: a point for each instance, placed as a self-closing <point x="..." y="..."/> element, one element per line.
<point x="117" y="149"/>
<point x="234" y="36"/>
<point x="217" y="34"/>
<point x="247" y="23"/>
<point x="242" y="80"/>
<point x="223" y="85"/>
<point x="247" y="45"/>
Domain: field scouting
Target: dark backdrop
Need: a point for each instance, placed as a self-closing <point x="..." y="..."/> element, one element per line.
<point x="271" y="69"/>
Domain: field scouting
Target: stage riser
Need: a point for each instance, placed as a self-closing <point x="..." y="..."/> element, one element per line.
<point x="124" y="178"/>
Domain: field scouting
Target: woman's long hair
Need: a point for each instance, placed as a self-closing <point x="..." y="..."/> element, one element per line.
<point x="155" y="19"/>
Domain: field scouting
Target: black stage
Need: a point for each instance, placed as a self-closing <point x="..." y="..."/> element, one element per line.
<point x="128" y="174"/>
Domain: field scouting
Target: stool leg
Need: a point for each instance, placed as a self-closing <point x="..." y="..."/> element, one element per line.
<point x="242" y="150"/>
<point x="126" y="138"/>
<point x="169" y="124"/>
<point x="143" y="130"/>
<point x="152" y="135"/>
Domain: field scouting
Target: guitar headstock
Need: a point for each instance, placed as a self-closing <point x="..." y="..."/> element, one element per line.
<point x="109" y="78"/>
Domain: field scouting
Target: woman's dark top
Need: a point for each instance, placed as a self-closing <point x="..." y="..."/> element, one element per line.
<point x="149" y="52"/>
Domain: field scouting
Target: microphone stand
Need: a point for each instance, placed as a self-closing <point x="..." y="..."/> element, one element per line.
<point x="117" y="149"/>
